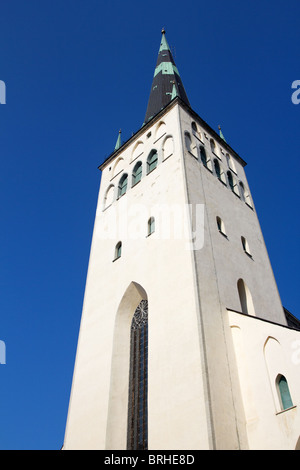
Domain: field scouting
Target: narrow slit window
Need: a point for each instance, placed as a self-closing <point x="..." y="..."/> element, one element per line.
<point x="151" y="225"/>
<point x="230" y="180"/>
<point x="245" y="246"/>
<point x="217" y="168"/>
<point x="118" y="250"/>
<point x="203" y="156"/>
<point x="221" y="226"/>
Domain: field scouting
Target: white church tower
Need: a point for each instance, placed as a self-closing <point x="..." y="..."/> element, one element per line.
<point x="184" y="343"/>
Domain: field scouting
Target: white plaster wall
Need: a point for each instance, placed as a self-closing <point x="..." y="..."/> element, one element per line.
<point x="177" y="415"/>
<point x="268" y="427"/>
<point x="197" y="397"/>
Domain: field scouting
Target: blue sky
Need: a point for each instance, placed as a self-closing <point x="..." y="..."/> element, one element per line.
<point x="75" y="72"/>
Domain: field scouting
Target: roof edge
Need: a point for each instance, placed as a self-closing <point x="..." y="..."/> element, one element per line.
<point x="173" y="102"/>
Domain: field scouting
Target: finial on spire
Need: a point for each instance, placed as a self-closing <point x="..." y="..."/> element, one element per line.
<point x="119" y="142"/>
<point x="163" y="31"/>
<point x="221" y="133"/>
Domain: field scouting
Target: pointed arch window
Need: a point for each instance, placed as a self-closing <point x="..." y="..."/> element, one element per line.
<point x="137" y="173"/>
<point x="203" y="156"/>
<point x="194" y="127"/>
<point x="242" y="191"/>
<point x="137" y="424"/>
<point x="245" y="298"/>
<point x="284" y="392"/>
<point x="230" y="180"/>
<point x="123" y="183"/>
<point x="152" y="161"/>
<point x="212" y="146"/>
<point x="217" y="168"/>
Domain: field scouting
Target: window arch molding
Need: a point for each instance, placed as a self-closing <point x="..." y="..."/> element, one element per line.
<point x="167" y="148"/>
<point x="119" y="389"/>
<point x="118" y="166"/>
<point x="213" y="146"/>
<point x="160" y="129"/>
<point x="109" y="196"/>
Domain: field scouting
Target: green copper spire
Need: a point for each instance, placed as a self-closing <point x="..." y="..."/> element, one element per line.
<point x="166" y="84"/>
<point x="119" y="142"/>
<point x="163" y="44"/>
<point x="221" y="134"/>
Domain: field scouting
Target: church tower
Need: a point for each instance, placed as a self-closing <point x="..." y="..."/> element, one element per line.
<point x="183" y="343"/>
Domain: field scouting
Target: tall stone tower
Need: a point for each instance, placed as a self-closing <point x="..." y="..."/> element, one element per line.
<point x="177" y="267"/>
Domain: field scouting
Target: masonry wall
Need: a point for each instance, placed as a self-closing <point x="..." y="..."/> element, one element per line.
<point x="219" y="265"/>
<point x="157" y="267"/>
<point x="188" y="271"/>
<point x="262" y="351"/>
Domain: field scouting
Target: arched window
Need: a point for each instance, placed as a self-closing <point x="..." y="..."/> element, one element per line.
<point x="221" y="226"/>
<point x="217" y="168"/>
<point x="152" y="161"/>
<point x="137" y="173"/>
<point x="230" y="162"/>
<point x="245" y="298"/>
<point x="245" y="246"/>
<point x="118" y="250"/>
<point x="283" y="392"/>
<point x="203" y="156"/>
<point x="230" y="180"/>
<point x="212" y="146"/>
<point x="122" y="188"/>
<point x="137" y="423"/>
<point x="151" y="225"/>
<point x="242" y="191"/>
<point x="188" y="141"/>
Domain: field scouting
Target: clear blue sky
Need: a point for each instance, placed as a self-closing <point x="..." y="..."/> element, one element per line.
<point x="76" y="71"/>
